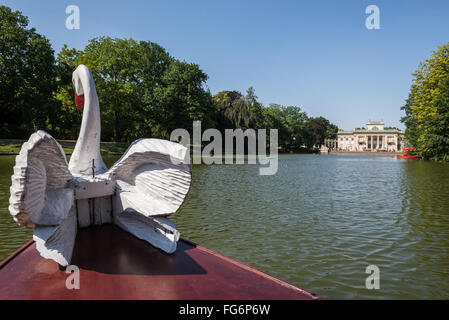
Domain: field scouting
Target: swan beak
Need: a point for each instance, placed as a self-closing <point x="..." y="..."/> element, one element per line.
<point x="79" y="101"/>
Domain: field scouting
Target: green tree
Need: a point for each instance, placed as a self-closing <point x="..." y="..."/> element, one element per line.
<point x="331" y="131"/>
<point x="274" y="119"/>
<point x="180" y="98"/>
<point x="437" y="142"/>
<point x="142" y="90"/>
<point x="27" y="77"/>
<point x="232" y="110"/>
<point x="411" y="123"/>
<point x="125" y="73"/>
<point x="66" y="119"/>
<point x="295" y="121"/>
<point x="235" y="110"/>
<point x="319" y="126"/>
<point x="255" y="109"/>
<point x="425" y="109"/>
<point x="290" y="122"/>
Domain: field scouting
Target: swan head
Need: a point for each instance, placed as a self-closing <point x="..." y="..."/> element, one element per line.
<point x="80" y="78"/>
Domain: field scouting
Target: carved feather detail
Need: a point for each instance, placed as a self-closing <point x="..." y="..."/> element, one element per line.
<point x="38" y="191"/>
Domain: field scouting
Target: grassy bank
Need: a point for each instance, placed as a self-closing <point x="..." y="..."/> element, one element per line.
<point x="12" y="146"/>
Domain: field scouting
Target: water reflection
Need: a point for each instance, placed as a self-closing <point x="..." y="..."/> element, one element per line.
<point x="425" y="204"/>
<point x="12" y="236"/>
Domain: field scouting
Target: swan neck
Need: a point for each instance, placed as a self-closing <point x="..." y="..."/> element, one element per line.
<point x="87" y="148"/>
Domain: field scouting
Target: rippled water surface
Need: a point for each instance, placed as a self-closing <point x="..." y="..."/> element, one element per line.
<point x="318" y="223"/>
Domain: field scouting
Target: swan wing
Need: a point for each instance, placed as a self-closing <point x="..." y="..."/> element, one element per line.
<point x="160" y="232"/>
<point x="39" y="192"/>
<point x="153" y="179"/>
<point x="57" y="242"/>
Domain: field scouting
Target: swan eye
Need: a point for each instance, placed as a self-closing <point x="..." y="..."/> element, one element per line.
<point x="79" y="101"/>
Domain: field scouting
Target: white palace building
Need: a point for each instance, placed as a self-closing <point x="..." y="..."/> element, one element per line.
<point x="375" y="137"/>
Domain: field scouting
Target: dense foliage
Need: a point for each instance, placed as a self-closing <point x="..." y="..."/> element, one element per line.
<point x="296" y="131"/>
<point x="143" y="92"/>
<point x="27" y="76"/>
<point x="427" y="107"/>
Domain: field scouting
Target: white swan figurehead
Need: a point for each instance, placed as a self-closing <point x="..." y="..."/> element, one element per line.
<point x="147" y="184"/>
<point x="87" y="149"/>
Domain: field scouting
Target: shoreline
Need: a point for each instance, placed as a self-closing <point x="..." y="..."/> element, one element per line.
<point x="11" y="147"/>
<point x="366" y="153"/>
<point x="338" y="153"/>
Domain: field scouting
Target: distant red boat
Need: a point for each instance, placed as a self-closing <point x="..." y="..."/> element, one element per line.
<point x="409" y="154"/>
<point x="116" y="265"/>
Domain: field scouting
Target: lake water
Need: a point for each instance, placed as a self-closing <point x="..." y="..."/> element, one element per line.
<point x="318" y="223"/>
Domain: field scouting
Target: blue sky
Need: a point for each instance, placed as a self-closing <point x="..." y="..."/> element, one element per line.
<point x="314" y="54"/>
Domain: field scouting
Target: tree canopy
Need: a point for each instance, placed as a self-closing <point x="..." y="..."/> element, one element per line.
<point x="27" y="76"/>
<point x="427" y="107"/>
<point x="142" y="90"/>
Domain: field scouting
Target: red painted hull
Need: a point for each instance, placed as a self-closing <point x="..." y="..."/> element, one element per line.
<point x="115" y="265"/>
<point x="409" y="157"/>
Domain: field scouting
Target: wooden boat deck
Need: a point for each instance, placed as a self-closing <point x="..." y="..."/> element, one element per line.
<point x="115" y="265"/>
